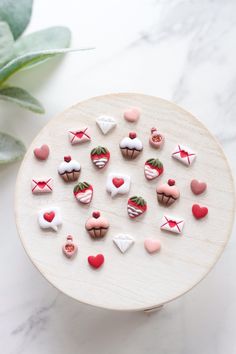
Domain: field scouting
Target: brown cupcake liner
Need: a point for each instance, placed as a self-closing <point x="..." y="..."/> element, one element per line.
<point x="97" y="233"/>
<point x="165" y="200"/>
<point x="70" y="176"/>
<point x="130" y="153"/>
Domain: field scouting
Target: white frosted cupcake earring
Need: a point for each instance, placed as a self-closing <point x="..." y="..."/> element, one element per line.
<point x="131" y="146"/>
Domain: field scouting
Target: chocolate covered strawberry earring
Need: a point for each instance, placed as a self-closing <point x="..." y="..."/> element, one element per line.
<point x="83" y="192"/>
<point x="156" y="139"/>
<point x="100" y="156"/>
<point x="153" y="168"/>
<point x="69" y="248"/>
<point x="136" y="206"/>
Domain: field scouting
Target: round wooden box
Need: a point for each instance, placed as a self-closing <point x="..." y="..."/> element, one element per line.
<point x="135" y="280"/>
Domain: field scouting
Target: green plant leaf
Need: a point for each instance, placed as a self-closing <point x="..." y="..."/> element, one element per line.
<point x="47" y="39"/>
<point x="21" y="97"/>
<point x="11" y="149"/>
<point x="17" y="14"/>
<point x="6" y="43"/>
<point x="30" y="59"/>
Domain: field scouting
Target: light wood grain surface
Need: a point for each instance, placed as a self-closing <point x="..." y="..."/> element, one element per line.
<point x="135" y="280"/>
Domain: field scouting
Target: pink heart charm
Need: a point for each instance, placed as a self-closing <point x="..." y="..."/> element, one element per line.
<point x="132" y="114"/>
<point x="152" y="245"/>
<point x="42" y="152"/>
<point x="198" y="187"/>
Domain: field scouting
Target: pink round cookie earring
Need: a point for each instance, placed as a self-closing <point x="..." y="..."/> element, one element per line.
<point x="156" y="139"/>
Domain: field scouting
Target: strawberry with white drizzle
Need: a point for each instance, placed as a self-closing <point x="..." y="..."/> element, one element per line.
<point x="136" y="206"/>
<point x="153" y="168"/>
<point x="100" y="156"/>
<point x="83" y="192"/>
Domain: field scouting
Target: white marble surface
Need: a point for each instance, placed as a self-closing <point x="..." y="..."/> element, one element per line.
<point x="179" y="50"/>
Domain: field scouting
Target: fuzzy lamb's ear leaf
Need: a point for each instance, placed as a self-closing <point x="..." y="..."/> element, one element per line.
<point x="21" y="97"/>
<point x="31" y="59"/>
<point x="47" y="39"/>
<point x="11" y="149"/>
<point x="17" y="14"/>
<point x="6" y="43"/>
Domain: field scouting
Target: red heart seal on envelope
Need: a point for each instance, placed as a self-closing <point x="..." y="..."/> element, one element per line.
<point x="118" y="182"/>
<point x="198" y="211"/>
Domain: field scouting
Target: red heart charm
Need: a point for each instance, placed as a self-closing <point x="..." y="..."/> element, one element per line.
<point x="79" y="134"/>
<point x="199" y="212"/>
<point x="183" y="154"/>
<point x="118" y="182"/>
<point x="198" y="187"/>
<point x="42" y="152"/>
<point x="41" y="184"/>
<point x="96" y="261"/>
<point x="49" y="216"/>
<point x="172" y="223"/>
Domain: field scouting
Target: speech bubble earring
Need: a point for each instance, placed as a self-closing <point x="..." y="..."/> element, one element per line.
<point x="118" y="183"/>
<point x="49" y="218"/>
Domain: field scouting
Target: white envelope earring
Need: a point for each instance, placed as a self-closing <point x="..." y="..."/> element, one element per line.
<point x="184" y="154"/>
<point x="79" y="136"/>
<point x="172" y="224"/>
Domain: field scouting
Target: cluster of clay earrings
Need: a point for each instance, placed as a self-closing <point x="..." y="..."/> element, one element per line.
<point x="131" y="147"/>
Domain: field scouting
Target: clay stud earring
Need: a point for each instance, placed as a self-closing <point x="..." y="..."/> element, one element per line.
<point x="69" y="248"/>
<point x="156" y="139"/>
